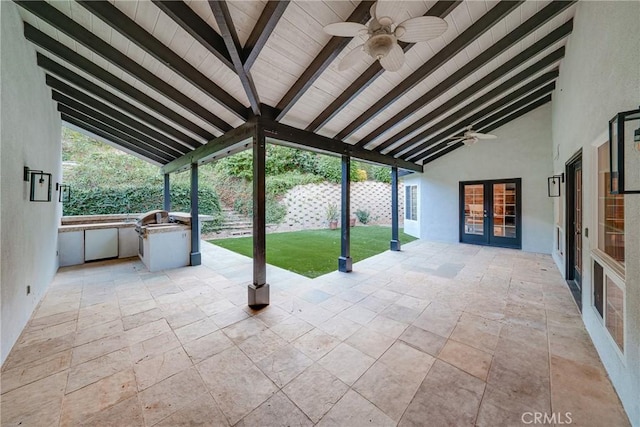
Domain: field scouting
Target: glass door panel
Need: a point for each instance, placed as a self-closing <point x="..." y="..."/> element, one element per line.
<point x="490" y="212"/>
<point x="474" y="211"/>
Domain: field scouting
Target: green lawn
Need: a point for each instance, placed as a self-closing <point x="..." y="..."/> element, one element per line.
<point x="313" y="253"/>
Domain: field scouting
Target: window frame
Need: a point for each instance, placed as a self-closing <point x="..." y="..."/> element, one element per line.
<point x="410" y="204"/>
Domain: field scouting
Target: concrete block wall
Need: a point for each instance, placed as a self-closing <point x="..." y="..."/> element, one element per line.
<point x="307" y="204"/>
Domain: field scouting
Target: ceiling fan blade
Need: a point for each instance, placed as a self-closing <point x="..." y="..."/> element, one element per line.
<point x="421" y="29"/>
<point x="470" y="141"/>
<point x="372" y="11"/>
<point x="479" y="135"/>
<point x="344" y="29"/>
<point x="394" y="60"/>
<point x="356" y="55"/>
<point x="389" y="11"/>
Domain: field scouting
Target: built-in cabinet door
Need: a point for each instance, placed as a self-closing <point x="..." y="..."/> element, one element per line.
<point x="490" y="212"/>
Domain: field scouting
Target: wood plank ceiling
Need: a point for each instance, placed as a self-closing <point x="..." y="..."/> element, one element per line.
<point x="161" y="78"/>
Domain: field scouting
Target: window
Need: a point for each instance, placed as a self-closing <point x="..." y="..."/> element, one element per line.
<point x="610" y="212"/>
<point x="411" y="211"/>
<point x="608" y="300"/>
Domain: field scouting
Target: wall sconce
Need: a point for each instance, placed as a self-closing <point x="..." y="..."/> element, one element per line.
<point x="40" y="185"/>
<point x="64" y="192"/>
<point x="625" y="125"/>
<point x="553" y="185"/>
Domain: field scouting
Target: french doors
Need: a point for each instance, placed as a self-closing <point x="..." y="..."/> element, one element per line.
<point x="490" y="212"/>
<point x="574" y="227"/>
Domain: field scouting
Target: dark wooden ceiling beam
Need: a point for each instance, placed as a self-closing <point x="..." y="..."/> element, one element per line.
<point x="511" y="64"/>
<point x="97" y="91"/>
<point x="476" y="87"/>
<point x="467" y="109"/>
<point x="461" y="122"/>
<point x="440" y="9"/>
<point x="68" y="93"/>
<point x="496" y="125"/>
<point x="77" y="32"/>
<point x="474" y="31"/>
<point x="234" y="141"/>
<point x="47" y="43"/>
<point x="482" y="119"/>
<point x="111" y="138"/>
<point x="267" y="22"/>
<point x="230" y="36"/>
<point x="191" y="22"/>
<point x="126" y="26"/>
<point x="307" y="140"/>
<point x="87" y="117"/>
<point x="483" y="58"/>
<point x="322" y="61"/>
<point x="125" y="128"/>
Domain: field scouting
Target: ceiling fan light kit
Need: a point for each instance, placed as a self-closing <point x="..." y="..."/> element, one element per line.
<point x="384" y="34"/>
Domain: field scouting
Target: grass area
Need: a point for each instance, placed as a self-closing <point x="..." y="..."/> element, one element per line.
<point x="313" y="253"/>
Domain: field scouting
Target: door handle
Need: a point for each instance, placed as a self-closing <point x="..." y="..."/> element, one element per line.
<point x="484" y="213"/>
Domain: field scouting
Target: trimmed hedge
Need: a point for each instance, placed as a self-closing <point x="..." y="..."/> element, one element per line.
<point x="118" y="200"/>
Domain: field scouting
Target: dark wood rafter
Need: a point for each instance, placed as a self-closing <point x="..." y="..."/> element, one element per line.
<point x="440" y="9"/>
<point x="322" y="61"/>
<point x="191" y="22"/>
<point x="64" y="100"/>
<point x="282" y="134"/>
<point x="97" y="91"/>
<point x="230" y="37"/>
<point x="234" y="141"/>
<point x="267" y="22"/>
<point x="126" y="26"/>
<point x="476" y="29"/>
<point x="120" y="132"/>
<point x="71" y="93"/>
<point x="111" y="138"/>
<point x="480" y="85"/>
<point x="540" y="102"/>
<point x="45" y="42"/>
<point x="466" y="70"/>
<point x="491" y="114"/>
<point x="463" y="112"/>
<point x="92" y="42"/>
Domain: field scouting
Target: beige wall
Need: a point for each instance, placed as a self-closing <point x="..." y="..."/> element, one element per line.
<point x="600" y="76"/>
<point x="29" y="136"/>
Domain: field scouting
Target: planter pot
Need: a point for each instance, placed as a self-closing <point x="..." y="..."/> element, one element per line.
<point x="333" y="225"/>
<point x="352" y="222"/>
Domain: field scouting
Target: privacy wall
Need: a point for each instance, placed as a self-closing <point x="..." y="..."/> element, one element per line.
<point x="29" y="136"/>
<point x="522" y="150"/>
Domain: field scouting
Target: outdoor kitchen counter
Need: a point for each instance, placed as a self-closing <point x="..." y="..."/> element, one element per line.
<point x="95" y="226"/>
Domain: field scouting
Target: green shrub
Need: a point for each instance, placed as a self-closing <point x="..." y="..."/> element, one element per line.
<point x="330" y="168"/>
<point x="138" y="199"/>
<point x="280" y="184"/>
<point x="381" y="174"/>
<point x="363" y="215"/>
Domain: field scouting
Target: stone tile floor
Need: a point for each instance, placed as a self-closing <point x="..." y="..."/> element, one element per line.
<point x="438" y="335"/>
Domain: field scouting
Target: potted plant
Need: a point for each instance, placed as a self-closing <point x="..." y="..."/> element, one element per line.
<point x="332" y="215"/>
<point x="352" y="221"/>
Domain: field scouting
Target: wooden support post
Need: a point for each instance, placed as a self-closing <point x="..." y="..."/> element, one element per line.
<point x="395" y="240"/>
<point x="167" y="193"/>
<point x="344" y="262"/>
<point x="259" y="290"/>
<point x="195" y="257"/>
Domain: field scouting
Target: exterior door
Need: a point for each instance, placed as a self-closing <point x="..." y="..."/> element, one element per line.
<point x="574" y="227"/>
<point x="490" y="213"/>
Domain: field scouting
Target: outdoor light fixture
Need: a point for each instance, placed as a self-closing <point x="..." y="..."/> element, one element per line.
<point x="624" y="126"/>
<point x="40" y="185"/>
<point x="553" y="185"/>
<point x="64" y="192"/>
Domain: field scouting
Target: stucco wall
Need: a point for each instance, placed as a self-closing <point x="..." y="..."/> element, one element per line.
<point x="522" y="150"/>
<point x="29" y="136"/>
<point x="599" y="77"/>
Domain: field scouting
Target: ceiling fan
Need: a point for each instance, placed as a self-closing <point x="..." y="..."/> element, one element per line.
<point x="470" y="137"/>
<point x="384" y="31"/>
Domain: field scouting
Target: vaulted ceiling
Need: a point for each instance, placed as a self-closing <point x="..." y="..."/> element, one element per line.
<point x="162" y="78"/>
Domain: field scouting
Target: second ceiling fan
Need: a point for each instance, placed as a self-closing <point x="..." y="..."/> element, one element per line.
<point x="384" y="31"/>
